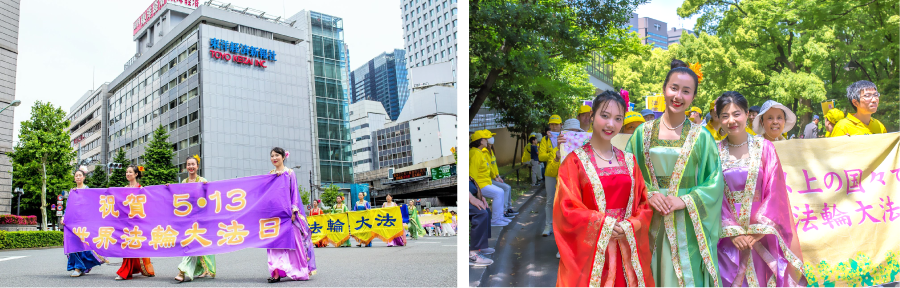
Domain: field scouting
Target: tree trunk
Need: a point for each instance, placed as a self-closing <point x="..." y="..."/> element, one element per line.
<point x="485" y="88"/>
<point x="44" y="195"/>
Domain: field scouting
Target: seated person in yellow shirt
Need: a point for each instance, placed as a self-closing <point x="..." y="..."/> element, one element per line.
<point x="864" y="97"/>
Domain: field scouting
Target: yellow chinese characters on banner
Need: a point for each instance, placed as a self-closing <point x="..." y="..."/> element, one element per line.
<point x="317" y="227"/>
<point x="383" y="223"/>
<point x="846" y="207"/>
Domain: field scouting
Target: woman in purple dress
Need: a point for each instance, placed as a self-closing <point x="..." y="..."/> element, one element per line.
<point x="297" y="264"/>
<point x="759" y="244"/>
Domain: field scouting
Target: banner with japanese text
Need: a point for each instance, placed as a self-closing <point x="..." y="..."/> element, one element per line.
<point x="426" y="219"/>
<point x="844" y="195"/>
<point x="335" y="228"/>
<point x="316" y="223"/>
<point x="175" y="220"/>
<point x="382" y="223"/>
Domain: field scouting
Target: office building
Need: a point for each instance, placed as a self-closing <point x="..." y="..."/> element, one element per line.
<point x="86" y="133"/>
<point x="9" y="55"/>
<point x="653" y="32"/>
<point x="429" y="31"/>
<point x="366" y="116"/>
<point x="383" y="79"/>
<point x="675" y="35"/>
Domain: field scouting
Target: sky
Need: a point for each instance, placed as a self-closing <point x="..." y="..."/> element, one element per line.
<point x="665" y="11"/>
<point x="69" y="47"/>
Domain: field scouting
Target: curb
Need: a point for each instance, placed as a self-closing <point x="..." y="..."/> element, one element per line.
<point x="35" y="248"/>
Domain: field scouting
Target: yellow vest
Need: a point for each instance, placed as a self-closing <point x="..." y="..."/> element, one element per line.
<point x="546" y="153"/>
<point x="492" y="159"/>
<point x="715" y="133"/>
<point x="478" y="168"/>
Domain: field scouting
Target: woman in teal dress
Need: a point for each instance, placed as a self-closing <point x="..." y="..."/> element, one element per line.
<point x="674" y="152"/>
<point x="195" y="266"/>
<point x="362" y="205"/>
<point x="415" y="229"/>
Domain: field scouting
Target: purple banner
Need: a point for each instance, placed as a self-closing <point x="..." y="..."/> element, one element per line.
<point x="174" y="220"/>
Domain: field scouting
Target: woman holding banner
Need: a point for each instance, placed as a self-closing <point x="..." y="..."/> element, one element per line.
<point x="362" y="205"/>
<point x="81" y="262"/>
<point x="759" y="240"/>
<point x="339" y="208"/>
<point x="401" y="240"/>
<point x="195" y="266"/>
<point x="601" y="209"/>
<point x="680" y="166"/>
<point x="300" y="263"/>
<point x="134" y="265"/>
<point x="313" y="211"/>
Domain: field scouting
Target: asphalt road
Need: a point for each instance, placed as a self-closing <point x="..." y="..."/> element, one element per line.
<point x="429" y="261"/>
<point x="524" y="258"/>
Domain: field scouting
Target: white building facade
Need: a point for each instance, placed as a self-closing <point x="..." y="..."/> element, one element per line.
<point x="366" y="116"/>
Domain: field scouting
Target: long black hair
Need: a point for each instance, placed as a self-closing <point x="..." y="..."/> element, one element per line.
<point x="602" y="101"/>
<point x="678" y="66"/>
<point x="731" y="97"/>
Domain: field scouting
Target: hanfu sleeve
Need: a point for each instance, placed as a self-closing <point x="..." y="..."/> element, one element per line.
<point x="704" y="201"/>
<point x="637" y="227"/>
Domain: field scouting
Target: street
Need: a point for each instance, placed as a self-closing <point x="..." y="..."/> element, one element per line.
<point x="523" y="258"/>
<point x="429" y="261"/>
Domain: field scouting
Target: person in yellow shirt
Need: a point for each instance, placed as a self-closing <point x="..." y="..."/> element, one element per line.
<point x="480" y="170"/>
<point x="754" y="111"/>
<point x="446" y="228"/>
<point x="831" y="118"/>
<point x="584" y="118"/>
<point x="714" y="126"/>
<point x="549" y="153"/>
<point x="495" y="176"/>
<point x="694" y="114"/>
<point x="864" y="97"/>
<point x="632" y="121"/>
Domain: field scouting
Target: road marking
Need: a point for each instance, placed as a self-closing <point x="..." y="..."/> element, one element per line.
<point x="426" y="242"/>
<point x="449" y="245"/>
<point x="12" y="258"/>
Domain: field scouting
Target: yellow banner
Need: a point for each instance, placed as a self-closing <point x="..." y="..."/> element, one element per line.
<point x="845" y="199"/>
<point x="382" y="223"/>
<point x="317" y="226"/>
<point x="335" y="228"/>
<point x="656" y="103"/>
<point x="430" y="219"/>
<point x="827" y="105"/>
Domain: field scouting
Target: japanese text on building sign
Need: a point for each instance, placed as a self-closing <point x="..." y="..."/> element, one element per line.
<point x="182" y="219"/>
<point x="236" y="51"/>
<point x="155" y="6"/>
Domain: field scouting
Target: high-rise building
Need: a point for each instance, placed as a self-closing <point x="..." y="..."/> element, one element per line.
<point x="9" y="55"/>
<point x="675" y="34"/>
<point x="653" y="32"/>
<point x="382" y="79"/>
<point x="366" y="116"/>
<point x="88" y="138"/>
<point x="229" y="83"/>
<point x="429" y="31"/>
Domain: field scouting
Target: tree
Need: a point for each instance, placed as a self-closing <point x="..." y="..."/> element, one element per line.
<point x="304" y="195"/>
<point x="158" y="168"/>
<point x="117" y="177"/>
<point x="330" y="195"/>
<point x="807" y="51"/>
<point x="42" y="158"/>
<point x="528" y="58"/>
<point x="97" y="179"/>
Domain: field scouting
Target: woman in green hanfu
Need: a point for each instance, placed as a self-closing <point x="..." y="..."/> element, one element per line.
<point x="415" y="229"/>
<point x="339" y="208"/>
<point x="674" y="152"/>
<point x="195" y="266"/>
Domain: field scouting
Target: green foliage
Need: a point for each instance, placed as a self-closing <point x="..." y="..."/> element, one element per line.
<point x="158" y="168"/>
<point x="330" y="195"/>
<point x="97" y="179"/>
<point x="117" y="177"/>
<point x="528" y="59"/>
<point x="801" y="52"/>
<point x="304" y="194"/>
<point x="30" y="239"/>
<point x="43" y="145"/>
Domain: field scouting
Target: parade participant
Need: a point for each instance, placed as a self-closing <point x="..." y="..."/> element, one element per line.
<point x="632" y="121"/>
<point x="601" y="209"/>
<point x="695" y="116"/>
<point x="812" y="129"/>
<point x="549" y="153"/>
<point x="415" y="228"/>
<point x="134" y="265"/>
<point x="680" y="165"/>
<point x="339" y="208"/>
<point x="195" y="266"/>
<point x="300" y="263"/>
<point x="361" y="205"/>
<point x="864" y="97"/>
<point x="80" y="262"/>
<point x="535" y="164"/>
<point x="480" y="170"/>
<point x="313" y="211"/>
<point x="446" y="227"/>
<point x="714" y="126"/>
<point x="496" y="180"/>
<point x="757" y="225"/>
<point x="584" y="118"/>
<point x="648" y="115"/>
<point x="831" y="118"/>
<point x="754" y="111"/>
<point x="399" y="241"/>
<point x="774" y="121"/>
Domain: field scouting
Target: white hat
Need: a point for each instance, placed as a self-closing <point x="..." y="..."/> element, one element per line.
<point x="789" y="122"/>
<point x="572" y="124"/>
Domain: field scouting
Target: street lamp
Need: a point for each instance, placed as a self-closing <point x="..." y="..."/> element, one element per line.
<point x="13" y="104"/>
<point x="19" y="191"/>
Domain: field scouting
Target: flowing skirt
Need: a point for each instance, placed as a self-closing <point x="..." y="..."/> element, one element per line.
<point x="193" y="266"/>
<point x="447" y="230"/>
<point x="297" y="264"/>
<point x="83" y="261"/>
<point x="399" y="241"/>
<point x="135" y="265"/>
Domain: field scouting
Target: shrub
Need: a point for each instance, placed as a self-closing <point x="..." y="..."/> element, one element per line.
<point x="30" y="239"/>
<point x="7" y="219"/>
